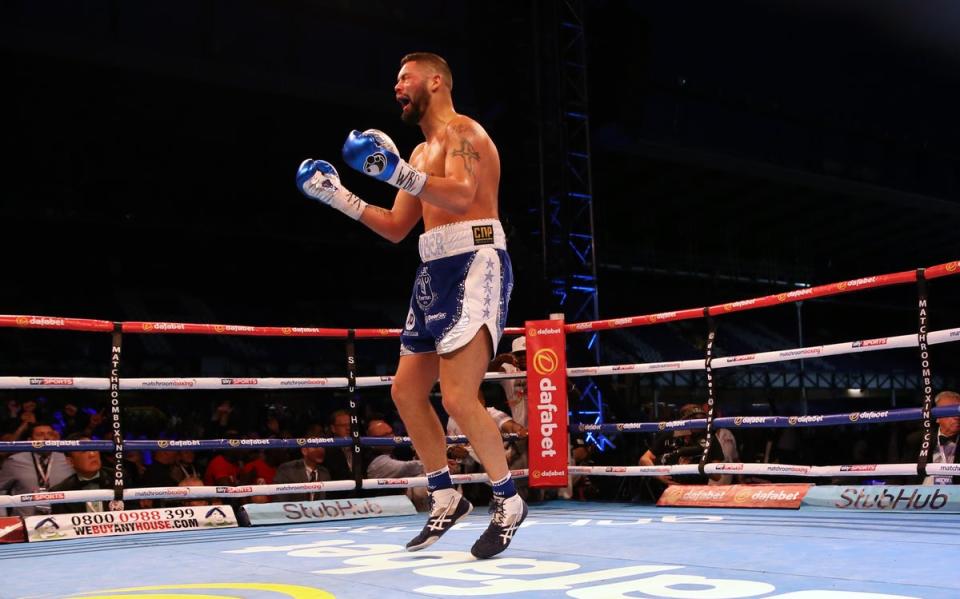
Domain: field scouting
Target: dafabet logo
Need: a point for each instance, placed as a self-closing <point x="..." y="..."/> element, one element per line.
<point x="545" y="362"/>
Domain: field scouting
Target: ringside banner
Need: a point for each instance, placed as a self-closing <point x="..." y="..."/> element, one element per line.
<point x="56" y="527"/>
<point x="11" y="530"/>
<point x="943" y="499"/>
<point x="547" y="403"/>
<point x="788" y="496"/>
<point x="324" y="510"/>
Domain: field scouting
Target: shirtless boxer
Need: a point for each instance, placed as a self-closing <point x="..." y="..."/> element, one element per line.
<point x="461" y="291"/>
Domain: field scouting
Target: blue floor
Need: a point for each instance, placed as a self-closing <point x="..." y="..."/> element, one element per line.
<point x="566" y="549"/>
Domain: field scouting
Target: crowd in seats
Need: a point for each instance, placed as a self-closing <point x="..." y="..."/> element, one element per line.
<point x="43" y="418"/>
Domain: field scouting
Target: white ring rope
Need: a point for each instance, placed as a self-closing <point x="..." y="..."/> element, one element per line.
<point x="183" y="493"/>
<point x="225" y="383"/>
<point x="859" y="470"/>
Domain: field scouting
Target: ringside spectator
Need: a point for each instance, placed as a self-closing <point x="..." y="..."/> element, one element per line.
<point x="309" y="468"/>
<point x="943" y="448"/>
<point x="89" y="474"/>
<point x="26" y="472"/>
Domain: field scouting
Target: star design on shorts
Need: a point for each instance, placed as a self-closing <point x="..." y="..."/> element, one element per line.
<point x="488" y="288"/>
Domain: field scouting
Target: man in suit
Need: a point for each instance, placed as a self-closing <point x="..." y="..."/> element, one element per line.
<point x="339" y="460"/>
<point x="943" y="447"/>
<point x="89" y="474"/>
<point x="27" y="472"/>
<point x="307" y="469"/>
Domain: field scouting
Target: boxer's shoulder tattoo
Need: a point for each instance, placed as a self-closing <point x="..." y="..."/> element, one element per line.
<point x="469" y="155"/>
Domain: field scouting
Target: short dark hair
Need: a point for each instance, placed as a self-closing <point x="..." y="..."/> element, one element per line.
<point x="333" y="415"/>
<point x="434" y="60"/>
<point x="79" y="437"/>
<point x="40" y="422"/>
<point x="691" y="410"/>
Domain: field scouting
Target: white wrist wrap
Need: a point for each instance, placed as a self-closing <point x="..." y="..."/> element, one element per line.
<point x="407" y="178"/>
<point x="348" y="203"/>
<point x="329" y="191"/>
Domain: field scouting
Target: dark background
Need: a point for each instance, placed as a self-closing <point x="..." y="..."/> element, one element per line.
<point x="738" y="148"/>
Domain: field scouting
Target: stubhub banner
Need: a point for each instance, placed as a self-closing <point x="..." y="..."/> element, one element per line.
<point x="547" y="403"/>
<point x="325" y="510"/>
<point x="943" y="499"/>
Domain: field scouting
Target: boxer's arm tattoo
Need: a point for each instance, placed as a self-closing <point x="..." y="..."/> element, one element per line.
<point x="469" y="155"/>
<point x="379" y="210"/>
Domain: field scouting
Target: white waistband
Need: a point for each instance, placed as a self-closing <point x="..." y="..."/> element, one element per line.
<point x="462" y="237"/>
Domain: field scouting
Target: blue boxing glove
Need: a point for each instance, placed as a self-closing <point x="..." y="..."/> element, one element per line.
<point x="375" y="154"/>
<point x="318" y="180"/>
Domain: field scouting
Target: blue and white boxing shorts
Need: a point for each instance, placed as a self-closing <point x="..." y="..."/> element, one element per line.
<point x="463" y="283"/>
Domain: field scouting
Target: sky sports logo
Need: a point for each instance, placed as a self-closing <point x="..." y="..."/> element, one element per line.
<point x="51" y="382"/>
<point x="870" y="342"/>
<point x="239" y="381"/>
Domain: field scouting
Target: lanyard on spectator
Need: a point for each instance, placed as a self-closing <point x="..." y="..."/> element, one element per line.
<point x="354" y="418"/>
<point x="43" y="476"/>
<point x="188" y="473"/>
<point x="711" y="393"/>
<point x="926" y="378"/>
<point x="117" y="340"/>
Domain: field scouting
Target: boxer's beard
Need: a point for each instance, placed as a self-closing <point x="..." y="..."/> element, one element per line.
<point x="417" y="108"/>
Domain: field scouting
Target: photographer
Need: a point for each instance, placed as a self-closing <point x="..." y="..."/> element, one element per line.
<point x="676" y="447"/>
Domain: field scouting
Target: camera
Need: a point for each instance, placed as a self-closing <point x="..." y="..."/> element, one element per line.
<point x="683" y="447"/>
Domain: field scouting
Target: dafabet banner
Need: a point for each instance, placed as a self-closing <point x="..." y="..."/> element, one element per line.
<point x="547" y="403"/>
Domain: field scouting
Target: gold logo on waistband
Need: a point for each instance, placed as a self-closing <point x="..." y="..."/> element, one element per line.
<point x="483" y="235"/>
